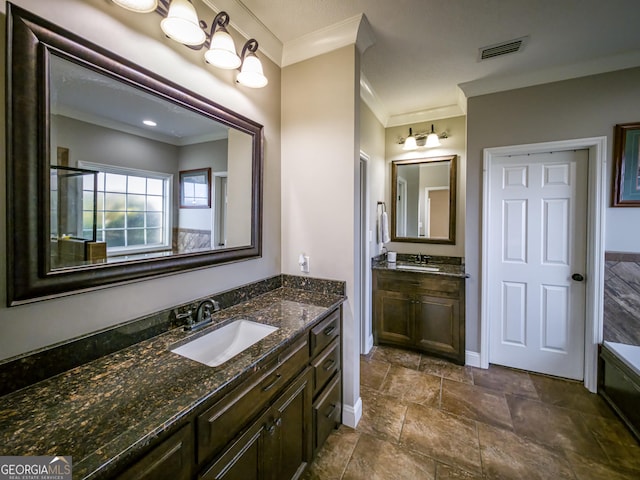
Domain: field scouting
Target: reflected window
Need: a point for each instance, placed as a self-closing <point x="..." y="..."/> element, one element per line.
<point x="132" y="209"/>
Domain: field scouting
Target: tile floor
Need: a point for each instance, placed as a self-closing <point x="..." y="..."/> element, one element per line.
<point x="425" y="418"/>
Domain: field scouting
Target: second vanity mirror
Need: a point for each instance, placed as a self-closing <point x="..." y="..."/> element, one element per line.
<point x="423" y="209"/>
<point x="105" y="164"/>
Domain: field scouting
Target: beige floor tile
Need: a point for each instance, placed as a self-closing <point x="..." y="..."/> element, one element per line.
<point x="410" y="385"/>
<point x="396" y="356"/>
<point x="442" y="436"/>
<point x="382" y="415"/>
<point x="447" y="472"/>
<point x="625" y="456"/>
<point x="505" y="380"/>
<point x="508" y="456"/>
<point x="570" y="394"/>
<point x="332" y="459"/>
<point x="373" y="373"/>
<point x="477" y="403"/>
<point x="552" y="426"/>
<point x="587" y="469"/>
<point x="443" y="368"/>
<point x="375" y="459"/>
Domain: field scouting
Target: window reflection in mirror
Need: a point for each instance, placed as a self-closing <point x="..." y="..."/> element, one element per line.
<point x="424" y="192"/>
<point x="133" y="146"/>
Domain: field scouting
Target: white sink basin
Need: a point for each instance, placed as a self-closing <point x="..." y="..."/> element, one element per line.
<point x="217" y="347"/>
<point x="419" y="268"/>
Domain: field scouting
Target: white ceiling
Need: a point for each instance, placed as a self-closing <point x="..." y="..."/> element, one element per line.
<point x="425" y="51"/>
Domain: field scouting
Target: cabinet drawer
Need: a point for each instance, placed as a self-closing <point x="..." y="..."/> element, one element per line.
<point x="322" y="334"/>
<point x="327" y="411"/>
<point x="417" y="283"/>
<point x="325" y="365"/>
<point x="223" y="421"/>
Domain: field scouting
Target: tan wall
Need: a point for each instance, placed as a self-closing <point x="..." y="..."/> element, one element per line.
<point x="319" y="154"/>
<point x="138" y="38"/>
<point x="580" y="108"/>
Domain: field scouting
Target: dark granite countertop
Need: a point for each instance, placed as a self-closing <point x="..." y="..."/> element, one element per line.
<point x="103" y="412"/>
<point x="444" y="269"/>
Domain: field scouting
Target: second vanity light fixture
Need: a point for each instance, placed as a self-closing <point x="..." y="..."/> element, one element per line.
<point x="426" y="139"/>
<point x="181" y="24"/>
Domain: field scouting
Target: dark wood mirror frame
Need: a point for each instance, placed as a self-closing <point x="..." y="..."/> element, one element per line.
<point x="29" y="277"/>
<point x="453" y="181"/>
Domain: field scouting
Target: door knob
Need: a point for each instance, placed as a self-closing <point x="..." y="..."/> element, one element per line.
<point x="577" y="277"/>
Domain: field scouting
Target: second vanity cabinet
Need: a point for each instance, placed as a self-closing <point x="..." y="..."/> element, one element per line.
<point x="266" y="428"/>
<point x="420" y="311"/>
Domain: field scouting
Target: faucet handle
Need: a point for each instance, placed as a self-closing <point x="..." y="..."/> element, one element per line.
<point x="187" y="314"/>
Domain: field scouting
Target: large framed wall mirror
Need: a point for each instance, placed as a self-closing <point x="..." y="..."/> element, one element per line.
<point x="423" y="207"/>
<point x="95" y="148"/>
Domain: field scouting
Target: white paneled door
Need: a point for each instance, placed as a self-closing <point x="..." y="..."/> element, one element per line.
<point x="537" y="261"/>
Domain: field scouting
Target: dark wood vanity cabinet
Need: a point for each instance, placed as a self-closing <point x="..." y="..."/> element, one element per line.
<point x="269" y="426"/>
<point x="277" y="446"/>
<point x="419" y="311"/>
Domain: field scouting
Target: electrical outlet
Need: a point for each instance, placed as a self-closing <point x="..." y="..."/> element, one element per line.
<point x="303" y="261"/>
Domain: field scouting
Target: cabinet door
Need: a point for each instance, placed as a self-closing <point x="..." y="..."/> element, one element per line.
<point x="290" y="442"/>
<point x="169" y="460"/>
<point x="438" y="325"/>
<point x="244" y="458"/>
<point x="393" y="318"/>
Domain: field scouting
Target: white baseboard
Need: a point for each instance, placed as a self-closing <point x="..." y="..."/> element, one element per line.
<point x="472" y="359"/>
<point x="369" y="345"/>
<point x="351" y="414"/>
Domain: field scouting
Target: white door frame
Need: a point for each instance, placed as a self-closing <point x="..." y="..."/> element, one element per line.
<point x="364" y="253"/>
<point x="401" y="210"/>
<point x="596" y="189"/>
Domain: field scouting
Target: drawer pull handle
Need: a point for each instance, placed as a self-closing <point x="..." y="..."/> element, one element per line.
<point x="272" y="428"/>
<point x="328" y="365"/>
<point x="272" y="384"/>
<point x="333" y="409"/>
<point x="329" y="330"/>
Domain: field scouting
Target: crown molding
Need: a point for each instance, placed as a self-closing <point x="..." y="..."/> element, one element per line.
<point x="338" y="35"/>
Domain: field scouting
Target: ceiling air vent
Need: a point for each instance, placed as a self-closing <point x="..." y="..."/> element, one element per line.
<point x="504" y="48"/>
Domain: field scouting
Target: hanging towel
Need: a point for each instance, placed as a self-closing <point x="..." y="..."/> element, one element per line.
<point x="384" y="227"/>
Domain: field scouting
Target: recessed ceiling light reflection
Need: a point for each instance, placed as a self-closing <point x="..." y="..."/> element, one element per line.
<point x="149" y="123"/>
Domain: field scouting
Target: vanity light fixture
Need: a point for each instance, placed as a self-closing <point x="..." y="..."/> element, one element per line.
<point x="410" y="142"/>
<point x="251" y="74"/>
<point x="180" y="22"/>
<point x="432" y="139"/>
<point x="222" y="52"/>
<point x="425" y="139"/>
<point x="140" y="6"/>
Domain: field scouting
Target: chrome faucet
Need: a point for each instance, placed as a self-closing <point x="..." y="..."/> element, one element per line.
<point x="203" y="315"/>
<point x="422" y="258"/>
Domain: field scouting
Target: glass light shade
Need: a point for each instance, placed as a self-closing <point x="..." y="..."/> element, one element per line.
<point x="182" y="24"/>
<point x="140" y="6"/>
<point x="251" y="74"/>
<point x="410" y="143"/>
<point x="222" y="53"/>
<point x="432" y="140"/>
